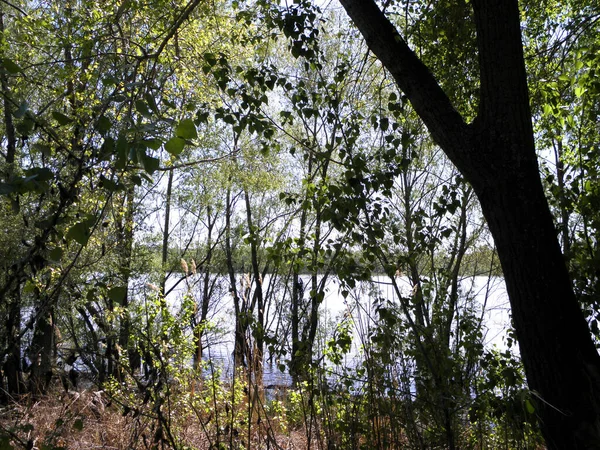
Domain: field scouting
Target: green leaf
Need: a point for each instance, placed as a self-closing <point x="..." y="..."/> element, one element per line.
<point x="118" y="98"/>
<point x="11" y="66"/>
<point x="154" y="144"/>
<point x="151" y="164"/>
<point x="108" y="184"/>
<point x="547" y="109"/>
<point x="5" y="443"/>
<point x="78" y="425"/>
<point x="44" y="149"/>
<point x="117" y="294"/>
<point x="142" y="107"/>
<point x="151" y="102"/>
<point x="529" y="407"/>
<point x="186" y="129"/>
<point x="146" y="177"/>
<point x="25" y="126"/>
<point x="80" y="232"/>
<point x="29" y="287"/>
<point x="103" y="125"/>
<point x="56" y="254"/>
<point x="175" y="146"/>
<point x="7" y="188"/>
<point x="384" y="123"/>
<point x="40" y="173"/>
<point x="23" y="108"/>
<point x="201" y="117"/>
<point x="210" y="59"/>
<point x="61" y="118"/>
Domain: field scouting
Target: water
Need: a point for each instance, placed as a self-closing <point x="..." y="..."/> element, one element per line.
<point x="488" y="297"/>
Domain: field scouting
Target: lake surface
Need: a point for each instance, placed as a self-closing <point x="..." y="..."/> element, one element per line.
<point x="487" y="296"/>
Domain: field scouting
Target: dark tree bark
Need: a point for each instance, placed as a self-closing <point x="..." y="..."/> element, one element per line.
<point x="496" y="154"/>
<point x="258" y="297"/>
<point x="12" y="366"/>
<point x="240" y="351"/>
<point x="13" y="370"/>
<point x="42" y="354"/>
<point x="125" y="246"/>
<point x="565" y="210"/>
<point x="165" y="242"/>
<point x="296" y="359"/>
<point x="9" y="130"/>
<point x="208" y="284"/>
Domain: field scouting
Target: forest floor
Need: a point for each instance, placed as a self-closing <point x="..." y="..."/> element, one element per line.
<point x="89" y="419"/>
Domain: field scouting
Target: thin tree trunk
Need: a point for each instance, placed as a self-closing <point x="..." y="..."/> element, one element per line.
<point x="125" y="254"/>
<point x="95" y="363"/>
<point x="298" y="358"/>
<point x="240" y="345"/>
<point x="453" y="268"/>
<point x="165" y="241"/>
<point x="12" y="367"/>
<point x="257" y="360"/>
<point x="9" y="128"/>
<point x="317" y="288"/>
<point x="562" y="201"/>
<point x="206" y="288"/>
<point x="297" y="371"/>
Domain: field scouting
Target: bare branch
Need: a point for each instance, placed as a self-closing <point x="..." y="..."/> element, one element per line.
<point x="15" y="7"/>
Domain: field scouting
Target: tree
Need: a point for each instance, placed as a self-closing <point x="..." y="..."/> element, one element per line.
<point x="565" y="102"/>
<point x="496" y="155"/>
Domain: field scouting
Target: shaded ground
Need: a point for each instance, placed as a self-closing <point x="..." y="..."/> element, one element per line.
<point x="90" y="420"/>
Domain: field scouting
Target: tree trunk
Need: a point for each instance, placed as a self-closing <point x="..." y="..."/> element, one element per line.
<point x="42" y="354"/>
<point x="298" y="364"/>
<point x="496" y="154"/>
<point x="12" y="366"/>
<point x="125" y="255"/>
<point x="560" y="360"/>
<point x="165" y="242"/>
<point x="11" y="141"/>
<point x="207" y="287"/>
<point x="258" y="296"/>
<point x="564" y="207"/>
<point x="296" y="359"/>
<point x="240" y="345"/>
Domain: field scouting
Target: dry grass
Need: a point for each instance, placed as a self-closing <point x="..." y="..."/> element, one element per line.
<point x="91" y="420"/>
<point x="77" y="420"/>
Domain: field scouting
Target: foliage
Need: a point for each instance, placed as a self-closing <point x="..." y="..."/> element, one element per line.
<point x="165" y="161"/>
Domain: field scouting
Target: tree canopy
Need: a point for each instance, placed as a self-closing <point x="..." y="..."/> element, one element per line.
<point x="175" y="176"/>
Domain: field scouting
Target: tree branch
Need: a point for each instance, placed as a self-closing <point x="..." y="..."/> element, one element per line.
<point x="175" y="27"/>
<point x="414" y="78"/>
<point x="14" y="6"/>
